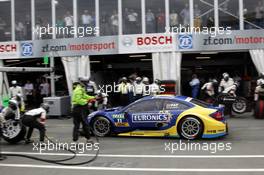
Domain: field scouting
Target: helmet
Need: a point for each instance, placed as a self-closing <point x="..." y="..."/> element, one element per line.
<point x="99" y="92"/>
<point x="214" y="81"/>
<point x="45" y="106"/>
<point x="226" y="76"/>
<point x="138" y="79"/>
<point x="123" y="79"/>
<point x="74" y="85"/>
<point x="157" y="81"/>
<point x="261" y="83"/>
<point x="13" y="104"/>
<point x="84" y="79"/>
<point x="145" y="79"/>
<point x="14" y="82"/>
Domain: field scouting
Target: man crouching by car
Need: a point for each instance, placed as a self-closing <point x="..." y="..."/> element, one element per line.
<point x="36" y="118"/>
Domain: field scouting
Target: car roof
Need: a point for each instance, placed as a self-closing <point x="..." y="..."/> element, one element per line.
<point x="178" y="97"/>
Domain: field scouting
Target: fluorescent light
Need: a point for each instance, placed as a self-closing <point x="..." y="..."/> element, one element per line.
<point x="12" y="61"/>
<point x="203" y="58"/>
<point x="137" y="56"/>
<point x="5" y="0"/>
<point x="208" y="53"/>
<point x="95" y="61"/>
<point x="145" y="59"/>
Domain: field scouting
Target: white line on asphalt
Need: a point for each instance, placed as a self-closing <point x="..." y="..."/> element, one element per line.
<point x="129" y="169"/>
<point x="139" y="156"/>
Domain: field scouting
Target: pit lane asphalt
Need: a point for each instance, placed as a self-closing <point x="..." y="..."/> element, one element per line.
<point x="131" y="155"/>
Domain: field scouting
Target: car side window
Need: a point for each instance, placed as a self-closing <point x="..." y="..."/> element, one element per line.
<point x="174" y="105"/>
<point x="146" y="106"/>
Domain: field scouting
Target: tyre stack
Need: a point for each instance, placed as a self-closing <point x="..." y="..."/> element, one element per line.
<point x="259" y="109"/>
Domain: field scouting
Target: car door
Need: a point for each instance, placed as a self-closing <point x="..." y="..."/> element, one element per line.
<point x="174" y="108"/>
<point x="146" y="114"/>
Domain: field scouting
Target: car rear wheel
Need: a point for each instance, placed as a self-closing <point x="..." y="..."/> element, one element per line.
<point x="190" y="128"/>
<point x="101" y="126"/>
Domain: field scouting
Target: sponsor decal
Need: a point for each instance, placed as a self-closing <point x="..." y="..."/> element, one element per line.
<point x="26" y="49"/>
<point x="185" y="42"/>
<point x="211" y="131"/>
<point x="97" y="47"/>
<point x="137" y="134"/>
<point x="146" y="43"/>
<point x="154" y="40"/>
<point x="172" y="106"/>
<point x="233" y="40"/>
<point x="8" y="48"/>
<point x="124" y="124"/>
<point x="149" y="117"/>
<point x="118" y="116"/>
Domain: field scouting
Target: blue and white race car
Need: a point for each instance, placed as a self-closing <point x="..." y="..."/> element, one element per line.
<point x="161" y="116"/>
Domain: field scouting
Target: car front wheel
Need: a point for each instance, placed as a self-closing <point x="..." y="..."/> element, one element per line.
<point x="101" y="126"/>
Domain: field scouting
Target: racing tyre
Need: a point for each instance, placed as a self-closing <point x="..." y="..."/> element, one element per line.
<point x="259" y="109"/>
<point x="240" y="105"/>
<point x="190" y="128"/>
<point x="14" y="131"/>
<point x="101" y="126"/>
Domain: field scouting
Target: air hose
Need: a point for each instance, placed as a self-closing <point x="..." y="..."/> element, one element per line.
<point x="59" y="162"/>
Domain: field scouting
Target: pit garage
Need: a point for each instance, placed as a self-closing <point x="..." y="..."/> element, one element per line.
<point x="213" y="64"/>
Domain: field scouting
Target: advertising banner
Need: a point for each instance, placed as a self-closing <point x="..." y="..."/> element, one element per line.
<point x="235" y="41"/>
<point x="69" y="47"/>
<point x="146" y="43"/>
<point x="9" y="50"/>
<point x="140" y="43"/>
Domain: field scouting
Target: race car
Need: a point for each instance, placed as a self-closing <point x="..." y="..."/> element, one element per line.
<point x="161" y="116"/>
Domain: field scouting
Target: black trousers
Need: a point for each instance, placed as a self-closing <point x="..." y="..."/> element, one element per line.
<point x="79" y="117"/>
<point x="32" y="122"/>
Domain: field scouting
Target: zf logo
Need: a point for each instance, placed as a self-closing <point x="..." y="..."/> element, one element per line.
<point x="185" y="42"/>
<point x="27" y="49"/>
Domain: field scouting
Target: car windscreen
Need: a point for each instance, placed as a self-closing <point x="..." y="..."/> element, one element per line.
<point x="200" y="103"/>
